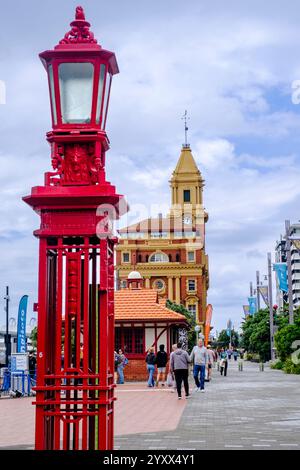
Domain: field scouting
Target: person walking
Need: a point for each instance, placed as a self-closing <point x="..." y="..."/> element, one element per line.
<point x="150" y="361"/>
<point x="161" y="363"/>
<point x="171" y="376"/>
<point x="199" y="356"/>
<point x="235" y="354"/>
<point x="229" y="353"/>
<point x="117" y="362"/>
<point x="120" y="369"/>
<point x="211" y="361"/>
<point x="32" y="365"/>
<point x="179" y="365"/>
<point x="223" y="362"/>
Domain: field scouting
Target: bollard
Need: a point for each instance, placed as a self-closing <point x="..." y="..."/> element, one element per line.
<point x="261" y="366"/>
<point x="240" y="366"/>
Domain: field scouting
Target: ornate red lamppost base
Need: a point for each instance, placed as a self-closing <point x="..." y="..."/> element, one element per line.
<point x="75" y="357"/>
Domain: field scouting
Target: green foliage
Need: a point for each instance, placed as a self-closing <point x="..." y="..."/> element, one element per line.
<point x="224" y="340"/>
<point x="33" y="336"/>
<point x="190" y="319"/>
<point x="256" y="334"/>
<point x="277" y="365"/>
<point x="291" y="368"/>
<point x="285" y="337"/>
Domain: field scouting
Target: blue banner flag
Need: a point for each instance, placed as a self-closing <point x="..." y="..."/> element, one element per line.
<point x="252" y="305"/>
<point x="21" y="333"/>
<point x="281" y="271"/>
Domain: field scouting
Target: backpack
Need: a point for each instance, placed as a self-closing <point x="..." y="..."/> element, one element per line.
<point x="125" y="361"/>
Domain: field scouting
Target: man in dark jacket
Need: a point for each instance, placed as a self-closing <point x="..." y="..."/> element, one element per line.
<point x="161" y="362"/>
<point x="180" y="366"/>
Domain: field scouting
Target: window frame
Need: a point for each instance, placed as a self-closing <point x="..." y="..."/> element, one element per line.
<point x="121" y="331"/>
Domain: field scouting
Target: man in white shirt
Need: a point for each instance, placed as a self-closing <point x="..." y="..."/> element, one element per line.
<point x="200" y="358"/>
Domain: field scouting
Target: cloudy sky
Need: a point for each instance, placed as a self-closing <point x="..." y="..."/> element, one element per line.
<point x="230" y="64"/>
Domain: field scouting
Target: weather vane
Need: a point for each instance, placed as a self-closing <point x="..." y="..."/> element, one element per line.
<point x="185" y="118"/>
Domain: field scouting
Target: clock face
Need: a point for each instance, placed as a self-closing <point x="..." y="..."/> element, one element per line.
<point x="187" y="219"/>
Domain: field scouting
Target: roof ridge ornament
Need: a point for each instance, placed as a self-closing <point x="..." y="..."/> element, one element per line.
<point x="80" y="30"/>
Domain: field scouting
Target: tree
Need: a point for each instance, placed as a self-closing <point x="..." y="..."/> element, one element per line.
<point x="33" y="336"/>
<point x="190" y="319"/>
<point x="285" y="337"/>
<point x="224" y="340"/>
<point x="256" y="334"/>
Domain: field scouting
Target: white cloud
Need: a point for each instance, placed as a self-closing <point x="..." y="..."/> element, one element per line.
<point x="218" y="61"/>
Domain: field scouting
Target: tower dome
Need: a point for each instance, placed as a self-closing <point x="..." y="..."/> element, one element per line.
<point x="134" y="275"/>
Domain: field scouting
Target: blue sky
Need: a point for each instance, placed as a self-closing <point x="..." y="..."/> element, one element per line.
<point x="231" y="64"/>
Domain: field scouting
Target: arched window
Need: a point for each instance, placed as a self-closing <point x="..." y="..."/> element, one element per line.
<point x="177" y="257"/>
<point x="140" y="258"/>
<point x="170" y="258"/>
<point x="159" y="258"/>
<point x="147" y="258"/>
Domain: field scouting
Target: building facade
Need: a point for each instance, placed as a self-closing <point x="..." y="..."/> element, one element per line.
<point x="280" y="257"/>
<point x="169" y="252"/>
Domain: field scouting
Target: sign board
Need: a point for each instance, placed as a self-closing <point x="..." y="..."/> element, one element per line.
<point x="19" y="362"/>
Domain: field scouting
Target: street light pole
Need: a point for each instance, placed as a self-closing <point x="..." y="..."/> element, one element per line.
<point x="289" y="269"/>
<point x="257" y="290"/>
<point x="271" y="305"/>
<point x="251" y="289"/>
<point x="7" y="336"/>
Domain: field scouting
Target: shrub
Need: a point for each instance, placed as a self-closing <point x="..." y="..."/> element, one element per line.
<point x="291" y="368"/>
<point x="277" y="365"/>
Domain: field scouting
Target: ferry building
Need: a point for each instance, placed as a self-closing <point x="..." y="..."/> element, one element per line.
<point x="169" y="252"/>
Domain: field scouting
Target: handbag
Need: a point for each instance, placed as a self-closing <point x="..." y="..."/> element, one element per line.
<point x="170" y="380"/>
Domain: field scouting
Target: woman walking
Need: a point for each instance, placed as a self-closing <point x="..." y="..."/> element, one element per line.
<point x="150" y="361"/>
<point x="121" y="365"/>
<point x="223" y="362"/>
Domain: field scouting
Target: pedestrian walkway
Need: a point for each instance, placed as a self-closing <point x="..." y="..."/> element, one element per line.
<point x="245" y="410"/>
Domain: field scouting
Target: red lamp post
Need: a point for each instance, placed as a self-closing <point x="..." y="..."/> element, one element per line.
<point x="75" y="363"/>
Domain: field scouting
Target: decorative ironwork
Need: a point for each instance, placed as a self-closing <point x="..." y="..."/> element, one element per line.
<point x="80" y="30"/>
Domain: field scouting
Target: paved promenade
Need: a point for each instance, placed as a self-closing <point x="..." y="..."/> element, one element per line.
<point x="245" y="410"/>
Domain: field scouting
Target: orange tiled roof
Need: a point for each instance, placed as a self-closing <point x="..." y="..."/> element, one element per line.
<point x="141" y="305"/>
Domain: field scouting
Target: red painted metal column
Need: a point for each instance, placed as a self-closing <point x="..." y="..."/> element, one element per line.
<point x="75" y="363"/>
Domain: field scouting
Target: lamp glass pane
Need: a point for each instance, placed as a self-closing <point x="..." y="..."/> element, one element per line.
<point x="52" y="94"/>
<point x="105" y="104"/>
<point x="100" y="92"/>
<point x="76" y="92"/>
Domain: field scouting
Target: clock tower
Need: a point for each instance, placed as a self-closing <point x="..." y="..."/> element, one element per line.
<point x="187" y="190"/>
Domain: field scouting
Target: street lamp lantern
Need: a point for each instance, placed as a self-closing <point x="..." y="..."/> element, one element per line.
<point x="80" y="73"/>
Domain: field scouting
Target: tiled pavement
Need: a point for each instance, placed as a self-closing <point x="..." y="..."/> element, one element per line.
<point x="245" y="410"/>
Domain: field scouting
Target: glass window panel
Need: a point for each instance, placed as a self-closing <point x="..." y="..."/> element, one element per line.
<point x="127" y="335"/>
<point x="191" y="256"/>
<point x="52" y="93"/>
<point x="76" y="92"/>
<point x="118" y="344"/>
<point x="139" y="340"/>
<point x="100" y="92"/>
<point x="186" y="195"/>
<point x="106" y="96"/>
<point x="159" y="258"/>
<point x="191" y="285"/>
